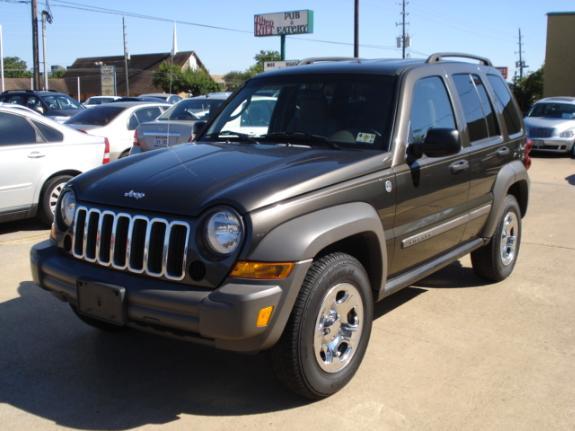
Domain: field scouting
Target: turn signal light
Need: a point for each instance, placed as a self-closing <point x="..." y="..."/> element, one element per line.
<point x="264" y="316"/>
<point x="262" y="270"/>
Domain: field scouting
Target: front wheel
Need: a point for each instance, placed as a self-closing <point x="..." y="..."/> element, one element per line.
<point x="496" y="260"/>
<point x="328" y="331"/>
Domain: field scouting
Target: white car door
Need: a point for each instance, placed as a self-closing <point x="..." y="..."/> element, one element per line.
<point x="21" y="160"/>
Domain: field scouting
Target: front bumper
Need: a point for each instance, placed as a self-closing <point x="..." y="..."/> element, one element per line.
<point x="553" y="145"/>
<point x="224" y="317"/>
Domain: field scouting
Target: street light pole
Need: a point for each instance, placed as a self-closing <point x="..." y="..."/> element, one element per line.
<point x="356" y="29"/>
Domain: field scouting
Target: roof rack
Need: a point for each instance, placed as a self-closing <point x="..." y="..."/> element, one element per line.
<point x="438" y="56"/>
<point x="312" y="60"/>
<point x="25" y="90"/>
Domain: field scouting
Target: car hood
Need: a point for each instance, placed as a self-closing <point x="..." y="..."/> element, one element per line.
<point x="556" y="123"/>
<point x="187" y="179"/>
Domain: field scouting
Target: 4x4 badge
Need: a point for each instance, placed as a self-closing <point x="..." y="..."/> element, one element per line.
<point x="133" y="194"/>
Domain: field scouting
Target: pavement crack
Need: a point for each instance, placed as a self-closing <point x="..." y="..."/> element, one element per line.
<point x="564" y="247"/>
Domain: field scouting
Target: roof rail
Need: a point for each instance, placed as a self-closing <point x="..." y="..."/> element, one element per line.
<point x="312" y="60"/>
<point x="438" y="56"/>
<point x="25" y="90"/>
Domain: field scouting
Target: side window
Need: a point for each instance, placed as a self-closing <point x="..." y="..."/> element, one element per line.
<point x="49" y="134"/>
<point x="477" y="109"/>
<point x="147" y="114"/>
<point x="133" y="123"/>
<point x="503" y="95"/>
<point x="15" y="130"/>
<point x="430" y="108"/>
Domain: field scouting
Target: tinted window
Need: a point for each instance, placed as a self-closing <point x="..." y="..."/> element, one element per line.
<point x="492" y="127"/>
<point x="98" y="116"/>
<point x="191" y="109"/>
<point x="133" y="123"/>
<point x="48" y="133"/>
<point x="472" y="111"/>
<point x="15" y="130"/>
<point x="431" y="108"/>
<point x="60" y="101"/>
<point x="503" y="96"/>
<point x="147" y="114"/>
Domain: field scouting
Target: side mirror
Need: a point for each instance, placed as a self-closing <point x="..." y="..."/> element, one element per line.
<point x="197" y="129"/>
<point x="437" y="143"/>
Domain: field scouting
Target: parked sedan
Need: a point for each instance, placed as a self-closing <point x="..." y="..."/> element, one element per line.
<point x="175" y="126"/>
<point x="99" y="100"/>
<point x="37" y="157"/>
<point x="551" y="125"/>
<point x="117" y="122"/>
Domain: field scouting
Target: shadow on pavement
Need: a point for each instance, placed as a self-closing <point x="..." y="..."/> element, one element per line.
<point x="54" y="366"/>
<point x="571" y="179"/>
<point x="453" y="276"/>
<point x="22" y="225"/>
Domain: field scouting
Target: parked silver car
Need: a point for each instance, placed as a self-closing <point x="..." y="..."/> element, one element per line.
<point x="175" y="126"/>
<point x="164" y="97"/>
<point x="551" y="125"/>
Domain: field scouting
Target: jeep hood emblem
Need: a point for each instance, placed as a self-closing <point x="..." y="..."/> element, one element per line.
<point x="133" y="194"/>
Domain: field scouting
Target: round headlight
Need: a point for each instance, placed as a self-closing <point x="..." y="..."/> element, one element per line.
<point x="224" y="231"/>
<point x="68" y="208"/>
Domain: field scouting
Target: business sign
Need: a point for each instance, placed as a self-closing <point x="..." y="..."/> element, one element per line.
<point x="271" y="65"/>
<point x="504" y="70"/>
<point x="108" y="80"/>
<point x="282" y="23"/>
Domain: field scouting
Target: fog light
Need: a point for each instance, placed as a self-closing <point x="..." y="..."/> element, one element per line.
<point x="262" y="270"/>
<point x="264" y="316"/>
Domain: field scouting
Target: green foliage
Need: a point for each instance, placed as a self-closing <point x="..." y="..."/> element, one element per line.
<point x="236" y="79"/>
<point x="529" y="89"/>
<point x="59" y="73"/>
<point x="15" y="67"/>
<point x="172" y="79"/>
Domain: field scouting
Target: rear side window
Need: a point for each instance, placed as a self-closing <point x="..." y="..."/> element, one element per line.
<point x="147" y="114"/>
<point x="503" y="96"/>
<point x="477" y="109"/>
<point x="49" y="134"/>
<point x="430" y="108"/>
<point x="98" y="116"/>
<point x="15" y="130"/>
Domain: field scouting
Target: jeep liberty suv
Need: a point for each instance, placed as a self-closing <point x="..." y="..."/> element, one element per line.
<point x="288" y="218"/>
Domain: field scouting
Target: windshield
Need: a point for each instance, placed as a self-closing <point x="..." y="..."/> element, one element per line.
<point x="553" y="110"/>
<point x="191" y="110"/>
<point x="98" y="116"/>
<point x="58" y="102"/>
<point x="350" y="110"/>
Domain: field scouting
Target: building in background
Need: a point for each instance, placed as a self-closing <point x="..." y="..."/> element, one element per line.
<point x="559" y="69"/>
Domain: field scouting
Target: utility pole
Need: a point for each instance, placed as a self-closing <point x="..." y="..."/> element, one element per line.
<point x="44" y="50"/>
<point x="35" y="54"/>
<point x="1" y="61"/>
<point x="403" y="41"/>
<point x="356" y="29"/>
<point x="126" y="58"/>
<point x="521" y="63"/>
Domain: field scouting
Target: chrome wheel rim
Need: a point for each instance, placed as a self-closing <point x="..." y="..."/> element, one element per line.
<point x="509" y="234"/>
<point x="54" y="195"/>
<point x="338" y="327"/>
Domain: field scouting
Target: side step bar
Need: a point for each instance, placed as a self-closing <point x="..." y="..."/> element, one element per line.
<point x="409" y="277"/>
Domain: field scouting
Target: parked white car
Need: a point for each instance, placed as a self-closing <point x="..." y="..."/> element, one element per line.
<point x="99" y="100"/>
<point x="117" y="122"/>
<point x="37" y="157"/>
<point x="551" y="125"/>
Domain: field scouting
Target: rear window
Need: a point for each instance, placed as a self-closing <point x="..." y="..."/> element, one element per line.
<point x="98" y="116"/>
<point x="15" y="130"/>
<point x="49" y="134"/>
<point x="503" y="96"/>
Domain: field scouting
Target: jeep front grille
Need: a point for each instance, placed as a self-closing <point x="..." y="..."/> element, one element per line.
<point x="135" y="243"/>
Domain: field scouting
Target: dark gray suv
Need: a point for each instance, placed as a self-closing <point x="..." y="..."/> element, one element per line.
<point x="314" y="192"/>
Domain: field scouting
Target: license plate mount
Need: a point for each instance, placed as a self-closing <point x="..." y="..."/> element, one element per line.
<point x="102" y="301"/>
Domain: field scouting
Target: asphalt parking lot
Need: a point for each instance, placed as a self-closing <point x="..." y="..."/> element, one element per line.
<point x="450" y="353"/>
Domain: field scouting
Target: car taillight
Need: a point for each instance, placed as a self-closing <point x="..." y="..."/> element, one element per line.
<point x="136" y="142"/>
<point x="192" y="138"/>
<point x="527" y="149"/>
<point x="106" y="158"/>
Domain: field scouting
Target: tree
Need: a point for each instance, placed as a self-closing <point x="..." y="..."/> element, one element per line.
<point x="15" y="67"/>
<point x="529" y="89"/>
<point x="58" y="73"/>
<point x="236" y="79"/>
<point x="172" y="79"/>
<point x="261" y="58"/>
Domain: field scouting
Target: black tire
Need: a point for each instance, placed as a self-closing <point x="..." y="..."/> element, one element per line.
<point x="572" y="152"/>
<point x="293" y="357"/>
<point x="50" y="191"/>
<point x="98" y="324"/>
<point x="488" y="261"/>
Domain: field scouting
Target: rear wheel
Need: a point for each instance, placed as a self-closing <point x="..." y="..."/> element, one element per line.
<point x="328" y="331"/>
<point x="50" y="194"/>
<point x="496" y="260"/>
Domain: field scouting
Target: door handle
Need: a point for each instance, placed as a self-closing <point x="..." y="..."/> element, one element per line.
<point x="503" y="152"/>
<point x="459" y="166"/>
<point x="36" y="155"/>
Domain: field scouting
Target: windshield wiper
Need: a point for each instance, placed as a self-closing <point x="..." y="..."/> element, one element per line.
<point x="300" y="137"/>
<point x="229" y="135"/>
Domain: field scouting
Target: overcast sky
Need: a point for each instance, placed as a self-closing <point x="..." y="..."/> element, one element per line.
<point x="487" y="28"/>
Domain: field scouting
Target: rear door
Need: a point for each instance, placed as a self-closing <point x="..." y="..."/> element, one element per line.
<point x="432" y="193"/>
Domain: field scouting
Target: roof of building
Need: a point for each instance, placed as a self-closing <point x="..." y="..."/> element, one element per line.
<point x="560" y="13"/>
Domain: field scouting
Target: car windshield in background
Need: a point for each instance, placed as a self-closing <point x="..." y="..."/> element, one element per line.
<point x="553" y="110"/>
<point x="99" y="116"/>
<point x="191" y="110"/>
<point x="58" y="102"/>
<point x="311" y="110"/>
